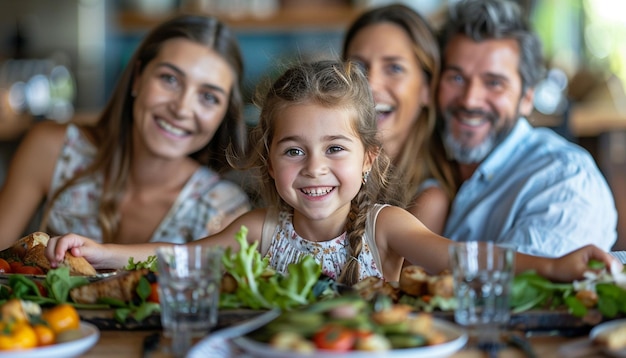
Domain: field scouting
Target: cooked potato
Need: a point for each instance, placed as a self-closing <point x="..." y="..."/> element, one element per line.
<point x="369" y="287"/>
<point x="291" y="341"/>
<point x="587" y="297"/>
<point x="414" y="280"/>
<point x="229" y="284"/>
<point x="441" y="285"/>
<point x="397" y="313"/>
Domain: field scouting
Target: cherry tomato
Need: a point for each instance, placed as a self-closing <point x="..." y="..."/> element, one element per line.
<point x="15" y="265"/>
<point x="5" y="267"/>
<point x="334" y="337"/>
<point x="45" y="335"/>
<point x="42" y="289"/>
<point x="29" y="270"/>
<point x="154" y="293"/>
<point x="61" y="318"/>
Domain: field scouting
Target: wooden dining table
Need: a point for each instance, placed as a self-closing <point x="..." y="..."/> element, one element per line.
<point x="129" y="344"/>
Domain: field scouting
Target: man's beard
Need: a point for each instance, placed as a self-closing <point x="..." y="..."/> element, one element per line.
<point x="470" y="154"/>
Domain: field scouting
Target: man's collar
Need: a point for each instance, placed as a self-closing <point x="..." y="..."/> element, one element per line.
<point x="505" y="148"/>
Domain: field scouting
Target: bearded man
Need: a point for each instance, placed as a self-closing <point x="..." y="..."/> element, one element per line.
<point x="521" y="185"/>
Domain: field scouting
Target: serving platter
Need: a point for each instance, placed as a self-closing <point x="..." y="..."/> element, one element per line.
<point x="547" y="321"/>
<point x="537" y="321"/>
<point x="101" y="274"/>
<point x="104" y="319"/>
<point x="89" y="337"/>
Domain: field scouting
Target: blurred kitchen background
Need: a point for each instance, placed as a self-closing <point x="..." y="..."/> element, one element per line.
<point x="59" y="60"/>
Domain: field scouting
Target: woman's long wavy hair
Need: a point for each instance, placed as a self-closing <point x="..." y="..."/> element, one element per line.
<point x="112" y="134"/>
<point x="331" y="84"/>
<point x="423" y="155"/>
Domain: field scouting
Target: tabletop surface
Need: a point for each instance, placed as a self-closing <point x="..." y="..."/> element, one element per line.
<point x="129" y="344"/>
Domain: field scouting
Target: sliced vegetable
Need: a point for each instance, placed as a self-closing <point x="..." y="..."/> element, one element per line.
<point x="154" y="293"/>
<point x="334" y="337"/>
<point x="5" y="267"/>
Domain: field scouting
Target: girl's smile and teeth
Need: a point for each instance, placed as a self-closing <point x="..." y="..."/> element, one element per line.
<point x="317" y="192"/>
<point x="316" y="159"/>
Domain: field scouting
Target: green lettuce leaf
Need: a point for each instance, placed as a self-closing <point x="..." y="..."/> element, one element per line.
<point x="259" y="287"/>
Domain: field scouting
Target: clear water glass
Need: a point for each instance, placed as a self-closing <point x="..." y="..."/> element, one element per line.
<point x="483" y="274"/>
<point x="189" y="287"/>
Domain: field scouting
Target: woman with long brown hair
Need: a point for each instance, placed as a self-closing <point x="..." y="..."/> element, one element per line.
<point x="149" y="170"/>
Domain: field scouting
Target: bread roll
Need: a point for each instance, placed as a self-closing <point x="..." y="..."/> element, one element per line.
<point x="78" y="265"/>
<point x="441" y="285"/>
<point x="36" y="255"/>
<point x="28" y="242"/>
<point x="32" y="248"/>
<point x="414" y="281"/>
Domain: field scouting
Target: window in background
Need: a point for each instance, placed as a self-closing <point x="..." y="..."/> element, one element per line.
<point x="605" y="35"/>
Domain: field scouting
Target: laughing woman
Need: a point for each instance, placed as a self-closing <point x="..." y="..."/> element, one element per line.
<point x="149" y="170"/>
<point x="398" y="50"/>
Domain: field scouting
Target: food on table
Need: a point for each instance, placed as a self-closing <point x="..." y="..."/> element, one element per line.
<point x="154" y="293"/>
<point x="253" y="284"/>
<point x="588" y="298"/>
<point x="441" y="285"/>
<point x="612" y="339"/>
<point x="60" y="318"/>
<point x="416" y="288"/>
<point x="133" y="291"/>
<point x="291" y="341"/>
<point x="130" y="292"/>
<point x="350" y="323"/>
<point x="17" y="310"/>
<point x="414" y="280"/>
<point x="120" y="287"/>
<point x="5" y="266"/>
<point x="600" y="291"/>
<point x="29" y="252"/>
<point x="25" y="325"/>
<point x="371" y="286"/>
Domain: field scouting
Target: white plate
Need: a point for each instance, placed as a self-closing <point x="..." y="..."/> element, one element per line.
<point x="456" y="340"/>
<point x="605" y="327"/>
<point x="217" y="344"/>
<point x="90" y="335"/>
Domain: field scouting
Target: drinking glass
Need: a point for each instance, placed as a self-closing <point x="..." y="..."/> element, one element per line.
<point x="483" y="274"/>
<point x="189" y="289"/>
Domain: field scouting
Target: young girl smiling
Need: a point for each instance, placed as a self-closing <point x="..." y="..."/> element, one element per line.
<point x="322" y="168"/>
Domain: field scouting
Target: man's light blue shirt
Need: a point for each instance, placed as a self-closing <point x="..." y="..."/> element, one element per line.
<point x="537" y="191"/>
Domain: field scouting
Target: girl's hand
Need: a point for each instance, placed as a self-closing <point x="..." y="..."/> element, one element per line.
<point x="572" y="266"/>
<point x="77" y="245"/>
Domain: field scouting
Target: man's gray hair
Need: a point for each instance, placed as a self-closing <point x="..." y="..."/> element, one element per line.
<point x="497" y="19"/>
